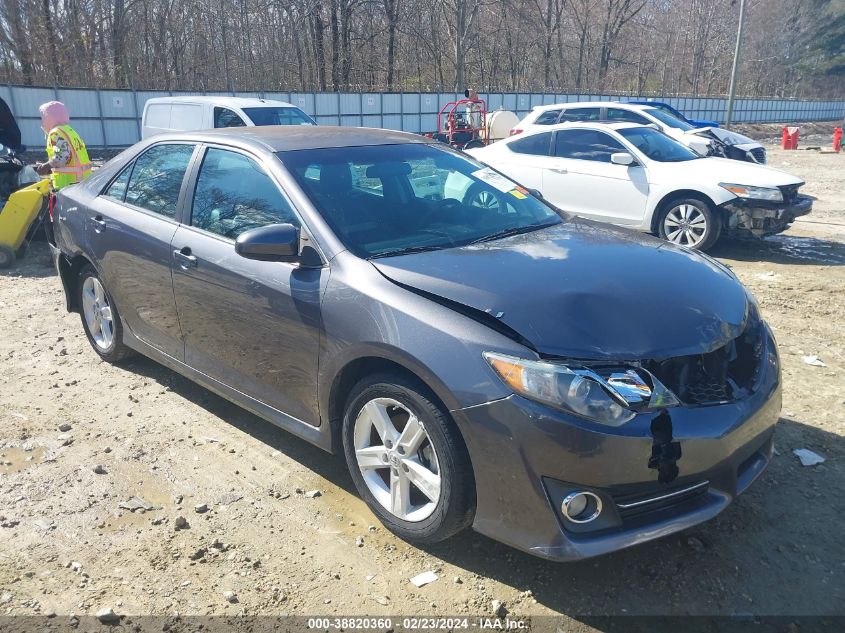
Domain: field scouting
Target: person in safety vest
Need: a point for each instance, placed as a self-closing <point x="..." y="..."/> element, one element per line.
<point x="67" y="157"/>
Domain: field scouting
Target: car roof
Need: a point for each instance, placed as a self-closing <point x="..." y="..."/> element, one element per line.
<point x="652" y="102"/>
<point x="237" y="102"/>
<point x="280" y="138"/>
<point x="568" y="125"/>
<point x="589" y="104"/>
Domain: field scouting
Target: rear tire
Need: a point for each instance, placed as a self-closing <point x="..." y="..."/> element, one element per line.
<point x="407" y="459"/>
<point x="100" y="318"/>
<point x="689" y="222"/>
<point x="7" y="256"/>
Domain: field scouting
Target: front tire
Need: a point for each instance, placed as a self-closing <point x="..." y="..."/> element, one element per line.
<point x="690" y="222"/>
<point x="407" y="459"/>
<point x="100" y="318"/>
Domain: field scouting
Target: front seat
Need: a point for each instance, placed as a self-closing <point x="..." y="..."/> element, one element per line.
<point x="335" y="179"/>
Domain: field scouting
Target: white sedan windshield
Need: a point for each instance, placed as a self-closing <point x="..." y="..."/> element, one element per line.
<point x="657" y="146"/>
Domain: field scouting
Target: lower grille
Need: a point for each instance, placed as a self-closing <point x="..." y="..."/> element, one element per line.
<point x="759" y="154"/>
<point x="631" y="506"/>
<point x="710" y="391"/>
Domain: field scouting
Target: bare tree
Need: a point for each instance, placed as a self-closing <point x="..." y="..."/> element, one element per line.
<point x="647" y="46"/>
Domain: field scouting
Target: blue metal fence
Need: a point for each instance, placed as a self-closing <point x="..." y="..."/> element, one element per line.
<point x="112" y="118"/>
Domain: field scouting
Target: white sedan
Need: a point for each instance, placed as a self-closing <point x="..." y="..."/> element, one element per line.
<point x="707" y="141"/>
<point x="635" y="176"/>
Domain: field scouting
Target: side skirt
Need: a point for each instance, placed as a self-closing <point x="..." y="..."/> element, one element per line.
<point x="319" y="436"/>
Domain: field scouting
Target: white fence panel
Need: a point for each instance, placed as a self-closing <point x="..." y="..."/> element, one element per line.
<point x="111" y="118"/>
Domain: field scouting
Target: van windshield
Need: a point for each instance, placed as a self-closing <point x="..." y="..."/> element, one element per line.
<point x="271" y="115"/>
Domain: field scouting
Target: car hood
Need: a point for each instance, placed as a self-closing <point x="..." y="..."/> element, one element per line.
<point x="727" y="137"/>
<point x="713" y="170"/>
<point x="584" y="290"/>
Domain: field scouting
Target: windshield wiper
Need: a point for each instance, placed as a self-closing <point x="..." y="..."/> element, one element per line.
<point x="512" y="231"/>
<point x="409" y="250"/>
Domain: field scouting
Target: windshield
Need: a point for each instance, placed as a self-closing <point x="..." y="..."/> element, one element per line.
<point x="657" y="146"/>
<point x="386" y="200"/>
<point x="278" y="116"/>
<point x="670" y="110"/>
<point x="668" y="119"/>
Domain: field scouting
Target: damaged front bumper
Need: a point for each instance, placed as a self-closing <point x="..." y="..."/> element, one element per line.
<point x="744" y="218"/>
<point x="527" y="458"/>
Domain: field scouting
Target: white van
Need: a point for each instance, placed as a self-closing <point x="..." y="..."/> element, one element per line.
<point x="177" y="114"/>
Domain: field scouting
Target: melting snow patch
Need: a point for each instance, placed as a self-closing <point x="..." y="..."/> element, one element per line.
<point x="808" y="457"/>
<point x="423" y="579"/>
<point x="815" y="361"/>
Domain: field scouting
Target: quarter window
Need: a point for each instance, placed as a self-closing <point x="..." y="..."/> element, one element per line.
<point x="157" y="178"/>
<point x="223" y="117"/>
<point x="549" y="117"/>
<point x="117" y="189"/>
<point x="586" y="145"/>
<point x="234" y="194"/>
<point x="537" y="144"/>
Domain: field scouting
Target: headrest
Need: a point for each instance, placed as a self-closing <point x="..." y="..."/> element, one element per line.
<point x="382" y="170"/>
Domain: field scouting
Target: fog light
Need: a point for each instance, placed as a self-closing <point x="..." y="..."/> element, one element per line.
<point x="581" y="507"/>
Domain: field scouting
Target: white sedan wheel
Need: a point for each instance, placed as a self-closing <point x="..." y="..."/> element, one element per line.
<point x="685" y="224"/>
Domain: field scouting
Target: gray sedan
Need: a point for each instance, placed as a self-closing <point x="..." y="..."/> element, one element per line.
<point x="563" y="386"/>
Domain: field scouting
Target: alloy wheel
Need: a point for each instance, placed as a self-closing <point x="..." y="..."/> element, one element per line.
<point x="97" y="312"/>
<point x="397" y="459"/>
<point x="685" y="224"/>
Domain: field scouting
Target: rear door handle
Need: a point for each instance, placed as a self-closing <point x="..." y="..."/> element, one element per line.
<point x="99" y="223"/>
<point x="185" y="259"/>
<point x="558" y="170"/>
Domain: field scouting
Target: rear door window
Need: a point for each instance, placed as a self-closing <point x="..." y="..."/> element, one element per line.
<point x="537" y="144"/>
<point x="234" y="194"/>
<point x="586" y="145"/>
<point x="157" y="178"/>
<point x="581" y="114"/>
<point x="618" y="114"/>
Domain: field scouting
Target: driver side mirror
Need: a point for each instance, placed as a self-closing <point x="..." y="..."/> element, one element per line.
<point x="622" y="158"/>
<point x="271" y="243"/>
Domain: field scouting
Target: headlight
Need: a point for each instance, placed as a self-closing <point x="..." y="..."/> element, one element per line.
<point x="611" y="398"/>
<point x="755" y="193"/>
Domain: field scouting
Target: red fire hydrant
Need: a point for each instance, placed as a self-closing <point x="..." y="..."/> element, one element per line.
<point x="789" y="137"/>
<point x="837" y="139"/>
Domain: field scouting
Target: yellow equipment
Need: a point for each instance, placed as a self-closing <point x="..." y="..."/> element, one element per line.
<point x="20" y="211"/>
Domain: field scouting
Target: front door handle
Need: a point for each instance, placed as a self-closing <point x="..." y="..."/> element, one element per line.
<point x="558" y="170"/>
<point x="185" y="259"/>
<point x="99" y="223"/>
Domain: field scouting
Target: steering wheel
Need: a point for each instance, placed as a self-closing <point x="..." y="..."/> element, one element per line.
<point x="447" y="205"/>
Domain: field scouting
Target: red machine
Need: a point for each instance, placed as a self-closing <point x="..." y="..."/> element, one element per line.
<point x="463" y="123"/>
<point x="837" y="139"/>
<point x="789" y="137"/>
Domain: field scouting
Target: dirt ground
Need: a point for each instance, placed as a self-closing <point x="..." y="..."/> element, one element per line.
<point x="67" y="546"/>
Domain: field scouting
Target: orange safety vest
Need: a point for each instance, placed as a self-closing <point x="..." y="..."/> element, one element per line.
<point x="79" y="167"/>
